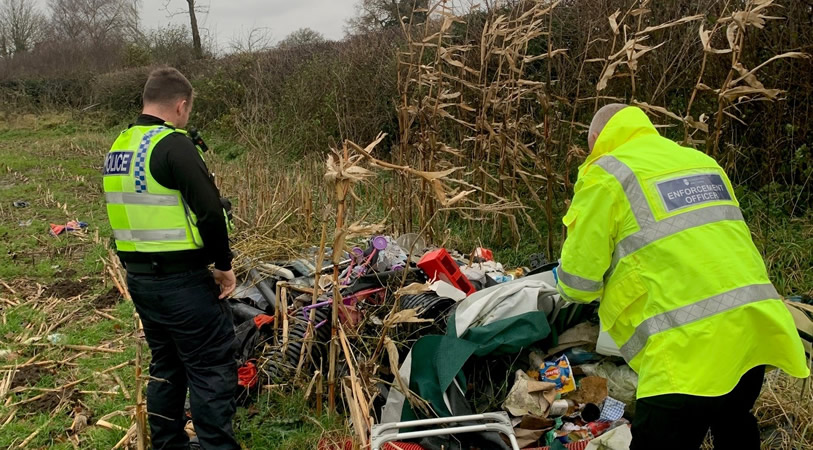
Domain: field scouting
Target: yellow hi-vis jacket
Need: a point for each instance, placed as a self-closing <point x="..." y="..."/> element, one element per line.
<point x="655" y="233"/>
<point x="145" y="216"/>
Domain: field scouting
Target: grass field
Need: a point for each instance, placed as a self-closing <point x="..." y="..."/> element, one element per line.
<point x="64" y="324"/>
<point x="56" y="293"/>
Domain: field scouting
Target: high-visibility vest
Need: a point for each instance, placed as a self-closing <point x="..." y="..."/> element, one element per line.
<point x="656" y="233"/>
<point x="145" y="216"/>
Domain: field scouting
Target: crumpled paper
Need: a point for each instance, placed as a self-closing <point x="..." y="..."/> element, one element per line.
<point x="529" y="396"/>
<point x="591" y="390"/>
<point x="530" y="429"/>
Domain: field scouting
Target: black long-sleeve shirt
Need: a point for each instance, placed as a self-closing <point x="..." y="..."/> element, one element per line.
<point x="176" y="164"/>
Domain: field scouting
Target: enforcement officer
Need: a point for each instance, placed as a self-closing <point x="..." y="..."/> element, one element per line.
<point x="656" y="233"/>
<point x="169" y="224"/>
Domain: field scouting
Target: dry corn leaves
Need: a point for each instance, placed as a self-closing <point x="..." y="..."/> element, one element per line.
<point x="343" y="168"/>
<point x="698" y="124"/>
<point x="614" y="21"/>
<point x="413" y="289"/>
<point x="608" y="73"/>
<point x="751" y="16"/>
<point x="739" y="20"/>
<point x="753" y="87"/>
<point x="340" y="169"/>
<point x="658" y="109"/>
<point x="705" y="39"/>
<point x="673" y="23"/>
<point x="633" y="49"/>
<point x="443" y="194"/>
<point x="748" y="75"/>
<point x="448" y="199"/>
<point x="404" y="316"/>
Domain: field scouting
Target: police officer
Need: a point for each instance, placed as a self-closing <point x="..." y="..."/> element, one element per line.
<point x="656" y="233"/>
<point x="169" y="225"/>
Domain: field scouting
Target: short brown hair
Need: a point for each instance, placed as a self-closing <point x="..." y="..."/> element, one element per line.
<point x="165" y="85"/>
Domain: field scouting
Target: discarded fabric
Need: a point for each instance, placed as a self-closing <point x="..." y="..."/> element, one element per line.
<point x="71" y="226"/>
<point x="611" y="410"/>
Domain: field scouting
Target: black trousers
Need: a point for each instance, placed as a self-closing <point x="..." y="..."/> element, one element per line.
<point x="191" y="337"/>
<point x="681" y="422"/>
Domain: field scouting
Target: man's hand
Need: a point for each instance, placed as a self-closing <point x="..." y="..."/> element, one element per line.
<point x="227" y="282"/>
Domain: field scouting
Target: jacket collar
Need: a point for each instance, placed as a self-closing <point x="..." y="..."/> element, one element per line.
<point x="148" y="120"/>
<point x="626" y="125"/>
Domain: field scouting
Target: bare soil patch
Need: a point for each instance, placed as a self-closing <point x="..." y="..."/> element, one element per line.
<point x="66" y="288"/>
<point x="108" y="299"/>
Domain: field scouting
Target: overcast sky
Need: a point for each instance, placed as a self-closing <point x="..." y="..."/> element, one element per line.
<point x="232" y="19"/>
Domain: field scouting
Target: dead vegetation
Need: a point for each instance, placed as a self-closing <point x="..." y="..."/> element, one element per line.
<point x="784" y="412"/>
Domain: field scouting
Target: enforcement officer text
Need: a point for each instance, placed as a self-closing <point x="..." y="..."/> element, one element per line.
<point x="691" y="190"/>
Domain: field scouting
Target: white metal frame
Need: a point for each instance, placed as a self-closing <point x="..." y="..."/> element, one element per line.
<point x="496" y="421"/>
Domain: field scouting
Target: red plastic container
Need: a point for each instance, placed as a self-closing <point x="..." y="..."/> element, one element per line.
<point x="438" y="264"/>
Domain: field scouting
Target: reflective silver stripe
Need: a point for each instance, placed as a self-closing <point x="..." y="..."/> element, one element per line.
<point x="632" y="189"/>
<point x="176" y="234"/>
<point x="567" y="297"/>
<point x="128" y="198"/>
<point x="650" y="229"/>
<point x="696" y="311"/>
<point x="577" y="282"/>
<point x="672" y="225"/>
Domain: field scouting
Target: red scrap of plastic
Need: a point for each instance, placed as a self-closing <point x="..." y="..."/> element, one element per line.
<point x="247" y="375"/>
<point x="56" y="230"/>
<point x="484" y="253"/>
<point x="262" y="319"/>
<point x="598" y="428"/>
